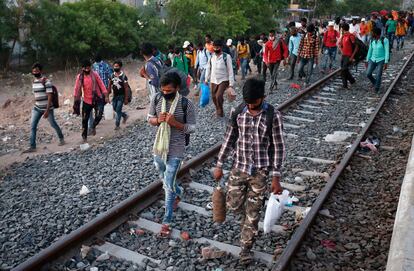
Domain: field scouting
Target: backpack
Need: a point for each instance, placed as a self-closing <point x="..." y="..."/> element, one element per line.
<point x="362" y="52"/>
<point x="184" y="105"/>
<point x="128" y="87"/>
<point x="55" y="94"/>
<point x="162" y="69"/>
<point x="239" y="109"/>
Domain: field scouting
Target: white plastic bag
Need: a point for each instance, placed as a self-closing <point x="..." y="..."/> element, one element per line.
<point x="108" y="112"/>
<point x="274" y="210"/>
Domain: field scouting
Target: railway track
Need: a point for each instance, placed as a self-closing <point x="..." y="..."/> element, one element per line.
<point x="323" y="117"/>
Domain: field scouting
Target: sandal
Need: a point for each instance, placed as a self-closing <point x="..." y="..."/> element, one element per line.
<point x="165" y="231"/>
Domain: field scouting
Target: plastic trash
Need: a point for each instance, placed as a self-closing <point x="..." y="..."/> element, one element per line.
<point x="212" y="253"/>
<point x="108" y="112"/>
<point x="84" y="190"/>
<point x="274" y="210"/>
<point x="84" y="146"/>
<point x="205" y="95"/>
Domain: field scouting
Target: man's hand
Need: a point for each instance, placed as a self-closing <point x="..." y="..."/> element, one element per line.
<point x="218" y="174"/>
<point x="351" y="60"/>
<point x="162" y="117"/>
<point x="170" y="119"/>
<point x="46" y="114"/>
<point x="385" y="66"/>
<point x="276" y="187"/>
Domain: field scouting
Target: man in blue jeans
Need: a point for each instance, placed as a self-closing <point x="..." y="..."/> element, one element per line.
<point x="42" y="90"/>
<point x="377" y="58"/>
<point x="118" y="84"/>
<point x="175" y="117"/>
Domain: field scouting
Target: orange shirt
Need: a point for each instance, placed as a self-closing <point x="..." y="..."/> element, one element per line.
<point x="363" y="29"/>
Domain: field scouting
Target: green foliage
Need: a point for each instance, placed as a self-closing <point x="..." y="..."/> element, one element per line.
<point x="83" y="29"/>
<point x="8" y="27"/>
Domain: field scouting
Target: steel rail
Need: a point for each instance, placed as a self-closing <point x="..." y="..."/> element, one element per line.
<point x="118" y="214"/>
<point x="300" y="232"/>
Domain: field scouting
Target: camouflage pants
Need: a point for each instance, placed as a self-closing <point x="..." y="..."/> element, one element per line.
<point x="245" y="196"/>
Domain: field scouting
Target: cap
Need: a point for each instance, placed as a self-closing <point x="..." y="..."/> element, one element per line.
<point x="229" y="42"/>
<point x="363" y="20"/>
<point x="331" y="23"/>
<point x="186" y="44"/>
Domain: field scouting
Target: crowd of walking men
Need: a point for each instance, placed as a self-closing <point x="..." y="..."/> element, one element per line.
<point x="254" y="129"/>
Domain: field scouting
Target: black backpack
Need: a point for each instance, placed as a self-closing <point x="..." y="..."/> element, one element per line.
<point x="362" y="52"/>
<point x="269" y="120"/>
<point x="162" y="69"/>
<point x="184" y="105"/>
<point x="55" y="94"/>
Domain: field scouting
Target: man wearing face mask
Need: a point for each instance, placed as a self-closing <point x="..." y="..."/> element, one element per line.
<point x="89" y="85"/>
<point x="274" y="52"/>
<point x="220" y="74"/>
<point x="175" y="117"/>
<point x="42" y="90"/>
<point x="118" y="83"/>
<point x="255" y="137"/>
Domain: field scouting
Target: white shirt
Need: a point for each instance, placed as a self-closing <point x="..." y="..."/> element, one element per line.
<point x="354" y="29"/>
<point x="217" y="72"/>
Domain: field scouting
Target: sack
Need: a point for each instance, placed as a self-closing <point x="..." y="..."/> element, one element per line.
<point x="219" y="205"/>
<point x="231" y="94"/>
<point x="362" y="52"/>
<point x="274" y="210"/>
<point x="205" y="94"/>
<point x="108" y="112"/>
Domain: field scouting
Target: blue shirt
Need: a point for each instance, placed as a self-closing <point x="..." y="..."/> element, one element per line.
<point x="152" y="68"/>
<point x="202" y="59"/>
<point x="378" y="52"/>
<point x="294" y="44"/>
<point x="104" y="70"/>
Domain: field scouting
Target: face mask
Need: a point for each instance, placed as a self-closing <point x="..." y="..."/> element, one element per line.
<point x="87" y="72"/>
<point x="37" y="75"/>
<point x="217" y="51"/>
<point x="169" y="96"/>
<point x="117" y="69"/>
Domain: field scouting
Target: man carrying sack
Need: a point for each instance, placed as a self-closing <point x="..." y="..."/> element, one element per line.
<point x="255" y="133"/>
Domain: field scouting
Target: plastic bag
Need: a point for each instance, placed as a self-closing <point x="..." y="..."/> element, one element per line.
<point x="274" y="210"/>
<point x="108" y="112"/>
<point x="205" y="95"/>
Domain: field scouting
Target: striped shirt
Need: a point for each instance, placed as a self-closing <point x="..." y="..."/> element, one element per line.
<point x="177" y="137"/>
<point x="40" y="92"/>
<point x="253" y="150"/>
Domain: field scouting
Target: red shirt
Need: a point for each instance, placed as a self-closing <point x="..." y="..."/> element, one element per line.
<point x="330" y="38"/>
<point x="88" y="84"/>
<point x="279" y="53"/>
<point x="347" y="41"/>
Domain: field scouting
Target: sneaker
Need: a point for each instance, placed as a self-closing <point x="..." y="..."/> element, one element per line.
<point x="84" y="140"/>
<point x="209" y="206"/>
<point x="246" y="257"/>
<point x="29" y="150"/>
<point x="165" y="231"/>
<point x="116" y="128"/>
<point x="93" y="131"/>
<point x="125" y="119"/>
<point x="61" y="142"/>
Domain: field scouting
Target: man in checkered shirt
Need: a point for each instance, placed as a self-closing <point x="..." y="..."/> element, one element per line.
<point x="255" y="134"/>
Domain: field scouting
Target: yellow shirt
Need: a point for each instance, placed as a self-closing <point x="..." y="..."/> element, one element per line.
<point x="243" y="51"/>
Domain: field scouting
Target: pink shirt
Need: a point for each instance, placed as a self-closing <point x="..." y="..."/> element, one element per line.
<point x="88" y="84"/>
